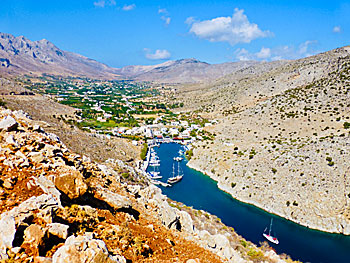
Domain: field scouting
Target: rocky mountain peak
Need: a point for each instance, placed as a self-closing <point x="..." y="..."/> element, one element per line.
<point x="42" y="56"/>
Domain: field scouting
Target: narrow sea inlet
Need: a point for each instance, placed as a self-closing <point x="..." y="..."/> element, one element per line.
<point x="201" y="192"/>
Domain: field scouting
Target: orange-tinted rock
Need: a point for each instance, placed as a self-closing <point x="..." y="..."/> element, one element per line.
<point x="33" y="238"/>
<point x="70" y="182"/>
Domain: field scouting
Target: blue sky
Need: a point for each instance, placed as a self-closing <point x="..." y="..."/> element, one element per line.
<point x="121" y="33"/>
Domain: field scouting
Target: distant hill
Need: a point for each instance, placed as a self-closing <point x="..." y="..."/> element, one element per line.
<point x="184" y="71"/>
<point x="19" y="55"/>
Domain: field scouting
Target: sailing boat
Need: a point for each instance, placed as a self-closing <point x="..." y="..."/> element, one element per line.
<point x="155" y="174"/>
<point x="178" y="177"/>
<point x="269" y="237"/>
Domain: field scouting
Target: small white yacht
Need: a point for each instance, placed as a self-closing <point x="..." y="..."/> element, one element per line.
<point x="269" y="237"/>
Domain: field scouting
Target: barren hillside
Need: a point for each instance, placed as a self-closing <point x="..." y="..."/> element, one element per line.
<point x="283" y="139"/>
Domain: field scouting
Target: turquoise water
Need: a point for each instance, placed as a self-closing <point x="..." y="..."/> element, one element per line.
<point x="201" y="192"/>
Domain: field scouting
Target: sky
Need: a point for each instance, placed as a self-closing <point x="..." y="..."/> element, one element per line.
<point x="134" y="32"/>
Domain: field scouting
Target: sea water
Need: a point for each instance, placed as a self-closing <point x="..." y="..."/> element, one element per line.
<point x="201" y="192"/>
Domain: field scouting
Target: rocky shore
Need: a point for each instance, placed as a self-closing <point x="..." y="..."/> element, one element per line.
<point x="57" y="206"/>
<point x="287" y="155"/>
<point x="282" y="142"/>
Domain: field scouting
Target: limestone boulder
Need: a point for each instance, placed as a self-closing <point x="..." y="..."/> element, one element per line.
<point x="59" y="230"/>
<point x="37" y="128"/>
<point x="207" y="239"/>
<point x="8" y="124"/>
<point x="7" y="231"/>
<point x="48" y="187"/>
<point x="53" y="137"/>
<point x="221" y="241"/>
<point x="45" y="204"/>
<point x="10" y="139"/>
<point x="115" y="200"/>
<point x="51" y="150"/>
<point x="84" y="249"/>
<point x="21" y="114"/>
<point x="36" y="157"/>
<point x="167" y="214"/>
<point x="8" y="183"/>
<point x="186" y="222"/>
<point x="70" y="182"/>
<point x="33" y="239"/>
<point x="42" y="260"/>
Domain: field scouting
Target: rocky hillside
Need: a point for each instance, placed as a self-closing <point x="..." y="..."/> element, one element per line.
<point x="57" y="206"/>
<point x="250" y="85"/>
<point x="183" y="71"/>
<point x="19" y="55"/>
<point x="283" y="138"/>
<point x="55" y="118"/>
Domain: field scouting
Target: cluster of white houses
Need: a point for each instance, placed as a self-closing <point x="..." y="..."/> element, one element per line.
<point x="176" y="130"/>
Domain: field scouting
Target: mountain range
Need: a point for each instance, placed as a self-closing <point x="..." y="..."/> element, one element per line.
<point x="19" y="55"/>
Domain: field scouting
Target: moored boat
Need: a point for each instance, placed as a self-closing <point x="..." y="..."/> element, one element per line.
<point x="269" y="237"/>
<point x="175" y="178"/>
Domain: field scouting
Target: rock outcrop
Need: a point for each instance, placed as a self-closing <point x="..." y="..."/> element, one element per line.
<point x="59" y="207"/>
<point x="84" y="249"/>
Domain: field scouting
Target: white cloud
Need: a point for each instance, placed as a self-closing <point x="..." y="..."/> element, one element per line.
<point x="234" y="30"/>
<point x="165" y="15"/>
<point x="264" y="53"/>
<point x="158" y="54"/>
<point x="243" y="55"/>
<point x="129" y="7"/>
<point x="305" y="49"/>
<point x="103" y="3"/>
<point x="100" y="3"/>
<point x="336" y="29"/>
<point x="163" y="11"/>
<point x="166" y="19"/>
<point x="190" y="20"/>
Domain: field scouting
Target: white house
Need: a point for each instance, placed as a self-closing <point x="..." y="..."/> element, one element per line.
<point x="185" y="134"/>
<point x="157" y="132"/>
<point x="148" y="133"/>
<point x="175" y="123"/>
<point x="184" y="123"/>
<point x="173" y="131"/>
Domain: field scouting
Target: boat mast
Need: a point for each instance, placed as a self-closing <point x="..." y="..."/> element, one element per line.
<point x="270" y="227"/>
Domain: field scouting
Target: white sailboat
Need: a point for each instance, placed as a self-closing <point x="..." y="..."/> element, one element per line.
<point x="269" y="237"/>
<point x="154" y="174"/>
<point x="178" y="177"/>
<point x="154" y="161"/>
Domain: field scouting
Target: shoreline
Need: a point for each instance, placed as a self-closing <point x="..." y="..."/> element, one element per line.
<point x="225" y="189"/>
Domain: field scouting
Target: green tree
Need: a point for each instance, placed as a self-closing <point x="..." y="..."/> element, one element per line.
<point x="144" y="151"/>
